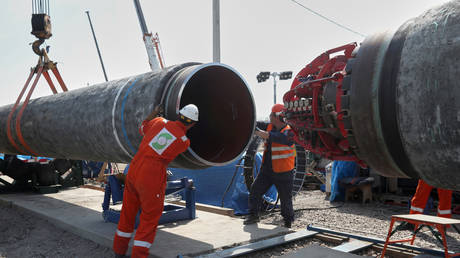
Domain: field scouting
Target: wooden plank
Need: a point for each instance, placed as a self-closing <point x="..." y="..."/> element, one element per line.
<point x="207" y="208"/>
<point x="331" y="238"/>
<point x="252" y="247"/>
<point x="428" y="218"/>
<point x="396" y="252"/>
<point x="353" y="246"/>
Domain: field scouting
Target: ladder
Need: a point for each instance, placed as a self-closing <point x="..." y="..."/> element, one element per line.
<point x="301" y="168"/>
<point x="304" y="166"/>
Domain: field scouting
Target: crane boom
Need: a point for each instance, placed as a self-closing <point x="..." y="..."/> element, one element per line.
<point x="148" y="38"/>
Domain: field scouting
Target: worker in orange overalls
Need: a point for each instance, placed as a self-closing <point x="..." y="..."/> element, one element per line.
<point x="422" y="194"/>
<point x="145" y="183"/>
<point x="277" y="166"/>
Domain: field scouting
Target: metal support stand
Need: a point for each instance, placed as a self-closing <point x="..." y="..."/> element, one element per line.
<point x="420" y="220"/>
<point x="171" y="213"/>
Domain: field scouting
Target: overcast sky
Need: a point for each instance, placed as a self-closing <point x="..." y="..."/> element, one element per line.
<point x="256" y="35"/>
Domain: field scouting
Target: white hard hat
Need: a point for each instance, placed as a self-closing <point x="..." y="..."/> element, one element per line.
<point x="190" y="111"/>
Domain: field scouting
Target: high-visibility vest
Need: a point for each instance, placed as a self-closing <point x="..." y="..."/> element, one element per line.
<point x="283" y="156"/>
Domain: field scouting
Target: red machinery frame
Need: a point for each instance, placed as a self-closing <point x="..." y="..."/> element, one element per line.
<point x="303" y="102"/>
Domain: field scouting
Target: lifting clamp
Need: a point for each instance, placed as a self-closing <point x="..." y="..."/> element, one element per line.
<point x="41" y="28"/>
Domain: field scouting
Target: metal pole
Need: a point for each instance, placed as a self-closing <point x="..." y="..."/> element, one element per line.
<point x="97" y="46"/>
<point x="215" y="31"/>
<point x="274" y="87"/>
<point x="140" y="16"/>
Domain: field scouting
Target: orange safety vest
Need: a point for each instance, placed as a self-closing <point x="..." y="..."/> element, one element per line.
<point x="283" y="156"/>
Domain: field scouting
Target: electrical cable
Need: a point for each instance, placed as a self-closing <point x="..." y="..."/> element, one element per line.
<point x="231" y="181"/>
<point x="329" y="20"/>
<point x="317" y="209"/>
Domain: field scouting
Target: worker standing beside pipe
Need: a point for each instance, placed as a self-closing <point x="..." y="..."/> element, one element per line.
<point x="277" y="167"/>
<point x="145" y="183"/>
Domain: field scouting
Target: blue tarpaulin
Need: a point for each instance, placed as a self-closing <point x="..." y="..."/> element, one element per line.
<point x="211" y="185"/>
<point x="341" y="169"/>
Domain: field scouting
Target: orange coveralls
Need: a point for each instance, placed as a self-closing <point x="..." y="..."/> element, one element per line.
<point x="422" y="194"/>
<point x="146" y="183"/>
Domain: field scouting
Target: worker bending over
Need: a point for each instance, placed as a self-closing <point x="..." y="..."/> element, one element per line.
<point x="145" y="183"/>
<point x="277" y="167"/>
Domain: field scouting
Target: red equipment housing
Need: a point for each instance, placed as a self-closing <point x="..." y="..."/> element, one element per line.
<point x="317" y="106"/>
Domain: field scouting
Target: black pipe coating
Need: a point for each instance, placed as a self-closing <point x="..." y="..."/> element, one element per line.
<point x="101" y="122"/>
<point x="405" y="106"/>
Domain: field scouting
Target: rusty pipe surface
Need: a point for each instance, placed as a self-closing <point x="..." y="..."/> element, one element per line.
<point x="101" y="122"/>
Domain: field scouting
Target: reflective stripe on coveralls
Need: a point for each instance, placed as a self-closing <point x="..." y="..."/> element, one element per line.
<point x="145" y="183"/>
<point x="124" y="234"/>
<point x="142" y="244"/>
<point x="444" y="212"/>
<point x="422" y="194"/>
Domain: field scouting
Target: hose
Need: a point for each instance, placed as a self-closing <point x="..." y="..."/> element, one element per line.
<point x="231" y="181"/>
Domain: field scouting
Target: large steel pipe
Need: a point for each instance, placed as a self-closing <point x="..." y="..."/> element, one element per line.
<point x="392" y="103"/>
<point x="404" y="105"/>
<point x="101" y="122"/>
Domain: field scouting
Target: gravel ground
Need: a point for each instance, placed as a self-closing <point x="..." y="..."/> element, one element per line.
<point x="372" y="219"/>
<point x="23" y="235"/>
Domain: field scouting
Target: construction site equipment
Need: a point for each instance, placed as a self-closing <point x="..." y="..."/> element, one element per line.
<point x="311" y="227"/>
<point x="97" y="46"/>
<point x="44" y="175"/>
<point x="59" y="125"/>
<point x="302" y="167"/>
<point x="390" y="104"/>
<point x="41" y="21"/>
<point x="151" y="43"/>
<point x="41" y="174"/>
<point x="171" y="212"/>
<point x="216" y="31"/>
<point x="41" y="28"/>
<point x="420" y="220"/>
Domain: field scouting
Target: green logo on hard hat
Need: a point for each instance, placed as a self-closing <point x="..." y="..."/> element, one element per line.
<point x="162" y="141"/>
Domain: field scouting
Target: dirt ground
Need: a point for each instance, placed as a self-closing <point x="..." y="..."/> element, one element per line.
<point x="23" y="235"/>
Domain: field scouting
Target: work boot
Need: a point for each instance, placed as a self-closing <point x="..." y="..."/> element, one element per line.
<point x="287" y="223"/>
<point x="251" y="219"/>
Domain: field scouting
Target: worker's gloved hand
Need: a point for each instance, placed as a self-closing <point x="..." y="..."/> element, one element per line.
<point x="261" y="133"/>
<point x="158" y="109"/>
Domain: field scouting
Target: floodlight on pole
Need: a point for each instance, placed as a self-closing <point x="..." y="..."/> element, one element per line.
<point x="263" y="76"/>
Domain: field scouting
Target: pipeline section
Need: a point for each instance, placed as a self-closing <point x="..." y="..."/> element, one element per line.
<point x="390" y="103"/>
<point x="101" y="122"/>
